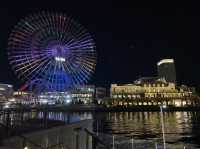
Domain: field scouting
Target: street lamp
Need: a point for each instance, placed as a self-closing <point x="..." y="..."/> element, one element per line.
<point x="163" y="126"/>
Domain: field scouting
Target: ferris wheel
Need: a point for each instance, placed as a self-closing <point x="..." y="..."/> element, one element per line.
<point x="51" y="48"/>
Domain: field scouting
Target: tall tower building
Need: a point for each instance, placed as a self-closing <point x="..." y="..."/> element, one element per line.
<point x="166" y="69"/>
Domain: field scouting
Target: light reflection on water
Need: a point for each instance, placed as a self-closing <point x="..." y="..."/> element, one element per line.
<point x="67" y="117"/>
<point x="180" y="127"/>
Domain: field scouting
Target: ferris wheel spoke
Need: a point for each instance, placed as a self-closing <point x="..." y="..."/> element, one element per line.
<point x="80" y="47"/>
<point x="53" y="77"/>
<point x="29" y="55"/>
<point x="78" y="42"/>
<point x="89" y="62"/>
<point x="42" y="69"/>
<point x="27" y="61"/>
<point x="71" y="70"/>
<point x="79" y="73"/>
<point x="28" y="66"/>
<point x="38" y="39"/>
<point x="34" y="68"/>
<point x="63" y="69"/>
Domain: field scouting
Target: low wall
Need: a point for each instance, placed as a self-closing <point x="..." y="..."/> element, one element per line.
<point x="64" y="136"/>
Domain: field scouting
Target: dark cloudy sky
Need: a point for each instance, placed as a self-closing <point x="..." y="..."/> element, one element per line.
<point x="130" y="39"/>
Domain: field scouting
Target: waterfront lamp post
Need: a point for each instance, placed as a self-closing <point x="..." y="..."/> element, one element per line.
<point x="113" y="147"/>
<point x="163" y="126"/>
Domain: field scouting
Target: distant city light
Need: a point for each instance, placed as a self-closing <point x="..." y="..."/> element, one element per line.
<point x="165" y="61"/>
<point x="60" y="59"/>
<point x="68" y="101"/>
<point x="2" y="89"/>
<point x="12" y="100"/>
<point x="10" y="86"/>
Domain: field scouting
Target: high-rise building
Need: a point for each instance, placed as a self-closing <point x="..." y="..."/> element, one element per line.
<point x="166" y="70"/>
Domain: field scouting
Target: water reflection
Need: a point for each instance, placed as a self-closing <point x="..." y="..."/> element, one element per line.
<point x="67" y="117"/>
<point x="180" y="127"/>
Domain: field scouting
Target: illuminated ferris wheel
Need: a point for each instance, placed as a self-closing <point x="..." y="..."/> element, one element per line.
<point x="51" y="51"/>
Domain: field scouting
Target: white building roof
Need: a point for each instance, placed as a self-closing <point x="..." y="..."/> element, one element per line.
<point x="164" y="61"/>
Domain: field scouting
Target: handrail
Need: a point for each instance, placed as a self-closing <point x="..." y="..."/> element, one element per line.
<point x="31" y="142"/>
<point x="96" y="137"/>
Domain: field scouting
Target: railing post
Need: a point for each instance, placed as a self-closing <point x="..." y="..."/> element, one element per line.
<point x="45" y="118"/>
<point x="68" y="118"/>
<point x="7" y="122"/>
<point x="77" y="137"/>
<point x="87" y="141"/>
<point x="113" y="142"/>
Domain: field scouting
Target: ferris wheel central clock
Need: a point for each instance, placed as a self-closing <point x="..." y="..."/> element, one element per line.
<point x="51" y="51"/>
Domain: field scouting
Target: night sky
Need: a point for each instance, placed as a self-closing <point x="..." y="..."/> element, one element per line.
<point x="130" y="39"/>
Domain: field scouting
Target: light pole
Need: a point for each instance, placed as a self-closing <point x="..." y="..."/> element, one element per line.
<point x="132" y="144"/>
<point x="156" y="145"/>
<point x="113" y="142"/>
<point x="163" y="126"/>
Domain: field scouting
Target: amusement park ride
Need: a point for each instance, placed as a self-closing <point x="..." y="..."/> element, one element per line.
<point x="51" y="52"/>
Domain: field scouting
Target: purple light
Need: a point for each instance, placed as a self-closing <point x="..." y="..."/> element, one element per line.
<point x="52" y="48"/>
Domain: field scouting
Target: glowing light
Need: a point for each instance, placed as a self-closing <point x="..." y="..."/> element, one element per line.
<point x="2" y="89"/>
<point x="44" y="101"/>
<point x="12" y="99"/>
<point x="165" y="61"/>
<point x="68" y="101"/>
<point x="51" y="52"/>
<point x="10" y="86"/>
<point x="60" y="59"/>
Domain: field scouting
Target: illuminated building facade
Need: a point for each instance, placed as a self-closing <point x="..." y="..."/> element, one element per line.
<point x="55" y="97"/>
<point x="83" y="94"/>
<point x="22" y="97"/>
<point x="6" y="92"/>
<point x="166" y="69"/>
<point x="150" y="91"/>
<point x="80" y="95"/>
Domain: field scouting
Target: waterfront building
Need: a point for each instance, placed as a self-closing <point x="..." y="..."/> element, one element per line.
<point x="54" y="97"/>
<point x="166" y="70"/>
<point x="6" y="92"/>
<point x="24" y="97"/>
<point x="100" y="94"/>
<point x="83" y="94"/>
<point x="150" y="91"/>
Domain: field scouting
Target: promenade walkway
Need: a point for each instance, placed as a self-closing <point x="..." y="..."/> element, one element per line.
<point x="64" y="137"/>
